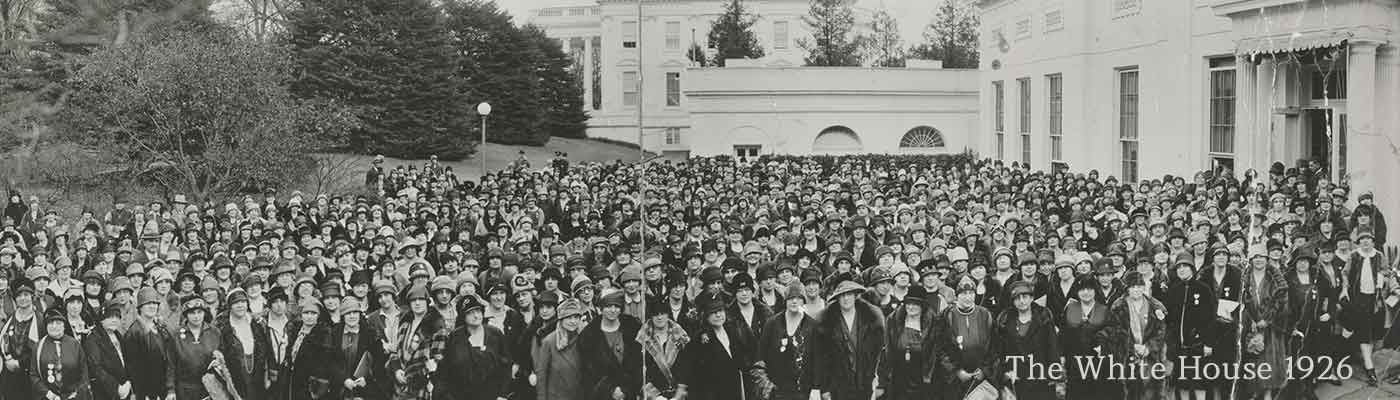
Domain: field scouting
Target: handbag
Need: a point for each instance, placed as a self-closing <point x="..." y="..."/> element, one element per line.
<point x="1254" y="343"/>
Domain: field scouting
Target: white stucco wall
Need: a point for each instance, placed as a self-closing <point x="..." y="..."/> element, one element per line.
<point x="1169" y="42"/>
<point x="784" y="109"/>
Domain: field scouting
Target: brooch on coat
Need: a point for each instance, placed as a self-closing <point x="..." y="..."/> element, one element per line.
<point x="1161" y="315"/>
<point x="705" y="339"/>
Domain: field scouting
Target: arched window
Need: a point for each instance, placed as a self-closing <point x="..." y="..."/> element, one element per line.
<point x="837" y="140"/>
<point x="921" y="137"/>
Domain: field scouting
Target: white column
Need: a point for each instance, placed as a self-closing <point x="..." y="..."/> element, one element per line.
<point x="1363" y="142"/>
<point x="1263" y="109"/>
<point x="1244" y="116"/>
<point x="588" y="73"/>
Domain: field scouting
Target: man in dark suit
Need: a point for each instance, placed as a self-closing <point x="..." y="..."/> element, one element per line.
<point x="105" y="361"/>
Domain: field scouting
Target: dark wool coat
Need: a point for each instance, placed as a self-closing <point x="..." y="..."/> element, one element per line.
<point x="1226" y="333"/>
<point x="789" y="360"/>
<point x="15" y="384"/>
<point x="305" y="371"/>
<point x="954" y="356"/>
<point x="840" y="363"/>
<point x="1308" y="303"/>
<point x="716" y="373"/>
<point x="250" y="385"/>
<point x="748" y="333"/>
<point x="340" y="366"/>
<point x="1191" y="326"/>
<point x="467" y="372"/>
<point x="190" y="356"/>
<point x="1040" y="341"/>
<point x="1118" y="339"/>
<point x="558" y="369"/>
<point x="903" y="368"/>
<point x="106" y="368"/>
<point x="147" y="348"/>
<point x="603" y="370"/>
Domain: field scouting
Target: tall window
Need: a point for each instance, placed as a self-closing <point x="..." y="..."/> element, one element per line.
<point x="629" y="34"/>
<point x="1222" y="107"/>
<point x="629" y="88"/>
<point x="673" y="89"/>
<point x="673" y="135"/>
<point x="596" y="55"/>
<point x="1024" y="85"/>
<point x="780" y="35"/>
<point x="1000" y="94"/>
<point x="673" y="36"/>
<point x="1128" y="122"/>
<point x="1055" y="109"/>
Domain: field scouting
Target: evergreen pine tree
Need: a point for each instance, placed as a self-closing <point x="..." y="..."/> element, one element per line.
<point x="560" y="91"/>
<point x="951" y="37"/>
<point x="392" y="63"/>
<point x="499" y="68"/>
<point x="831" y="44"/>
<point x="732" y="34"/>
<point x="883" y="45"/>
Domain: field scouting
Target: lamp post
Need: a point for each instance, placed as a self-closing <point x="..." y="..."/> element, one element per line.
<point x="484" y="110"/>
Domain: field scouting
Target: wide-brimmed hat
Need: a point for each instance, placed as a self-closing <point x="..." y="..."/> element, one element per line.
<point x="843" y="288"/>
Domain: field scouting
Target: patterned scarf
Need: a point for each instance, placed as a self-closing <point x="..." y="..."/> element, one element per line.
<point x="663" y="344"/>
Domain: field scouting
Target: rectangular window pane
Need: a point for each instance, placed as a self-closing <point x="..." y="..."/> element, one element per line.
<point x="780" y="35"/>
<point x="597" y="78"/>
<point x="629" y="88"/>
<point x="1054" y="87"/>
<point x="673" y="89"/>
<point x="1331" y="84"/>
<point x="673" y="36"/>
<point x="1000" y="96"/>
<point x="1001" y="146"/>
<point x="1025" y="104"/>
<point x="673" y="135"/>
<point x="1341" y="135"/>
<point x="1128" y="104"/>
<point x="1130" y="161"/>
<point x="629" y="34"/>
<point x="1026" y="149"/>
<point x="1222" y="111"/>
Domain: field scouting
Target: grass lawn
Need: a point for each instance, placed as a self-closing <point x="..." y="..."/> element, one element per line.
<point x="350" y="172"/>
<point x="498" y="156"/>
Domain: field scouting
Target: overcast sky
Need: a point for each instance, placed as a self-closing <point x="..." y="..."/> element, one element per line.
<point x="913" y="15"/>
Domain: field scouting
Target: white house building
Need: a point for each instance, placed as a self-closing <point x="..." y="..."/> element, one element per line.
<point x="603" y="36"/>
<point x="752" y="110"/>
<point x="1138" y="88"/>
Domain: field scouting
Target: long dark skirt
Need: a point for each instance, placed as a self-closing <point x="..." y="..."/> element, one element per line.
<point x="1360" y="316"/>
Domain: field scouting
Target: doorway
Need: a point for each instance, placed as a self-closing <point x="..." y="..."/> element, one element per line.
<point x="746" y="152"/>
<point x="1326" y="140"/>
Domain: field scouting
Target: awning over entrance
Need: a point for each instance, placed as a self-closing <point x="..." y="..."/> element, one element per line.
<point x="1291" y="42"/>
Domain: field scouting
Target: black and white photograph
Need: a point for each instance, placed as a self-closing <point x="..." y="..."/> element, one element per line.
<point x="699" y="199"/>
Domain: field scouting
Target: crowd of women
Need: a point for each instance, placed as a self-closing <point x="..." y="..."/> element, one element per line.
<point x="846" y="278"/>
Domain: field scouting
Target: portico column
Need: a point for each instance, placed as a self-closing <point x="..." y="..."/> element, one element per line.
<point x="1263" y="110"/>
<point x="1363" y="142"/>
<point x="588" y="73"/>
<point x="1244" y="112"/>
